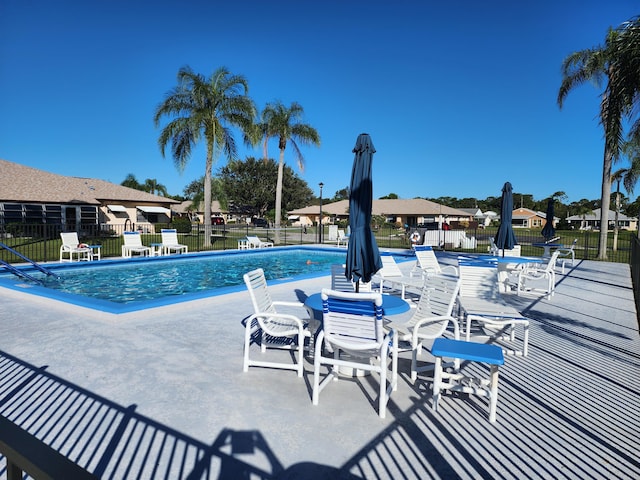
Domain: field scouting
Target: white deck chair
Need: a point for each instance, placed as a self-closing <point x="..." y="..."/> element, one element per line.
<point x="431" y="317"/>
<point x="514" y="252"/>
<point x="427" y="263"/>
<point x="280" y="330"/>
<point x="342" y="240"/>
<point x="255" y="242"/>
<point x="539" y="273"/>
<point x="170" y="242"/>
<point x="71" y="246"/>
<point x="566" y="252"/>
<point x="353" y="337"/>
<point x="480" y="302"/>
<point x="390" y="274"/>
<point x="133" y="244"/>
<point x="340" y="282"/>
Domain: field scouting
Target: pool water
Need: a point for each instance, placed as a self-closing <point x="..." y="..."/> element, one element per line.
<point x="179" y="276"/>
<point x="120" y="286"/>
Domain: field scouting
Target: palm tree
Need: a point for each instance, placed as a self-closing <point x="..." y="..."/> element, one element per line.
<point x="617" y="62"/>
<point x="205" y="109"/>
<point x="629" y="177"/>
<point x="152" y="186"/>
<point x="284" y="123"/>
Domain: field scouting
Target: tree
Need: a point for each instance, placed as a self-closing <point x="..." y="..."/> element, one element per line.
<point x="629" y="177"/>
<point x="202" y="108"/>
<point x="617" y="62"/>
<point x="152" y="186"/>
<point x="194" y="191"/>
<point x="131" y="182"/>
<point x="391" y="196"/>
<point x="283" y="123"/>
<point x="238" y="179"/>
<point x="342" y="194"/>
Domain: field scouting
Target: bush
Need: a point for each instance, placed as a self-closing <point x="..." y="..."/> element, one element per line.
<point x="181" y="224"/>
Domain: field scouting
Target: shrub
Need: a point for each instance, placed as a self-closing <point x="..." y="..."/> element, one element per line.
<point x="181" y="224"/>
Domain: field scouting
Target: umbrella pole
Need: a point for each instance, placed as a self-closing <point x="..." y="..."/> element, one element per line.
<point x="358" y="286"/>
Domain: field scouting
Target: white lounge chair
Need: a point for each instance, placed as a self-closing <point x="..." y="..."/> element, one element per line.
<point x="353" y="337"/>
<point x="431" y="317"/>
<point x="565" y="252"/>
<point x="280" y="330"/>
<point x="71" y="246"/>
<point x="170" y="242"/>
<point x="133" y="244"/>
<point x="539" y="273"/>
<point x="480" y="302"/>
<point x="427" y="263"/>
<point x="390" y="274"/>
<point x="342" y="240"/>
<point x="255" y="242"/>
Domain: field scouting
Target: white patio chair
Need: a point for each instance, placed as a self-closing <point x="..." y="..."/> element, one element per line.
<point x="71" y="246"/>
<point x="427" y="263"/>
<point x="539" y="273"/>
<point x="340" y="282"/>
<point x="480" y="302"/>
<point x="431" y="317"/>
<point x="255" y="242"/>
<point x="565" y="252"/>
<point x="353" y="337"/>
<point x="342" y="240"/>
<point x="513" y="252"/>
<point x="133" y="244"/>
<point x="170" y="242"/>
<point x="390" y="274"/>
<point x="276" y="330"/>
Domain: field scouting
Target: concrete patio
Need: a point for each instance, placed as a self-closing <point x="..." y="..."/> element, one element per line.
<point x="161" y="394"/>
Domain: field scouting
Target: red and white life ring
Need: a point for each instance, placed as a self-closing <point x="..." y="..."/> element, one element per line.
<point x="415" y="237"/>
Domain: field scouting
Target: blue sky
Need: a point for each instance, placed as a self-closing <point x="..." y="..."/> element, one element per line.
<point x="458" y="97"/>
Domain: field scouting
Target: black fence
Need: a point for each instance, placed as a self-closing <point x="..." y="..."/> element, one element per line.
<point x="41" y="243"/>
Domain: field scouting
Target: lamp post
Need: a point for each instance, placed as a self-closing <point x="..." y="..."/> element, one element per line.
<point x="320" y="222"/>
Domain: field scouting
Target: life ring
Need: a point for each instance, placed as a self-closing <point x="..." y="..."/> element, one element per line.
<point x="415" y="237"/>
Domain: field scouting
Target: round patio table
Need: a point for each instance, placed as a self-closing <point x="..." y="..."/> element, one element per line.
<point x="391" y="305"/>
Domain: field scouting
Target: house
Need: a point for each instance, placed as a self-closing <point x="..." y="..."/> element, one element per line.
<point x="185" y="209"/>
<point x="402" y="212"/>
<point x="526" y="218"/>
<point x="483" y="219"/>
<point x="591" y="221"/>
<point x="32" y="196"/>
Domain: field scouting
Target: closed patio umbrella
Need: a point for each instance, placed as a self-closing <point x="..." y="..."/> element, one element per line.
<point x="548" y="231"/>
<point x="505" y="237"/>
<point x="363" y="256"/>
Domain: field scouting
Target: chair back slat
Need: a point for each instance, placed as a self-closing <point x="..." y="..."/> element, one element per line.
<point x="257" y="286"/>
<point x="132" y="239"/>
<point x="352" y="321"/>
<point x="479" y="280"/>
<point x="169" y="236"/>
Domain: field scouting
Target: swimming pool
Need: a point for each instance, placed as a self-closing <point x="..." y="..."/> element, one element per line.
<point x="121" y="286"/>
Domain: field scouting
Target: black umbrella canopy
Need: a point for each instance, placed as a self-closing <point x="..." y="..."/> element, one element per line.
<point x="548" y="231"/>
<point x="363" y="256"/>
<point x="505" y="237"/>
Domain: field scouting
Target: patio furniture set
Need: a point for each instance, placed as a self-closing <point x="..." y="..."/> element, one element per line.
<point x="345" y="333"/>
<point x="71" y="250"/>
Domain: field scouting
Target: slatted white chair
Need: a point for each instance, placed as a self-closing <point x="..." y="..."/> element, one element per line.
<point x="255" y="242"/>
<point x="431" y="317"/>
<point x="538" y="273"/>
<point x="391" y="275"/>
<point x="427" y="263"/>
<point x="565" y="252"/>
<point x="343" y="239"/>
<point x="353" y="337"/>
<point x="276" y="330"/>
<point x="340" y="282"/>
<point x="71" y="246"/>
<point x="513" y="252"/>
<point x="170" y="243"/>
<point x="133" y="245"/>
<point x="480" y="302"/>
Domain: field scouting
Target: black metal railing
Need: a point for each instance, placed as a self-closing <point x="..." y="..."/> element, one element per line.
<point x="41" y="243"/>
